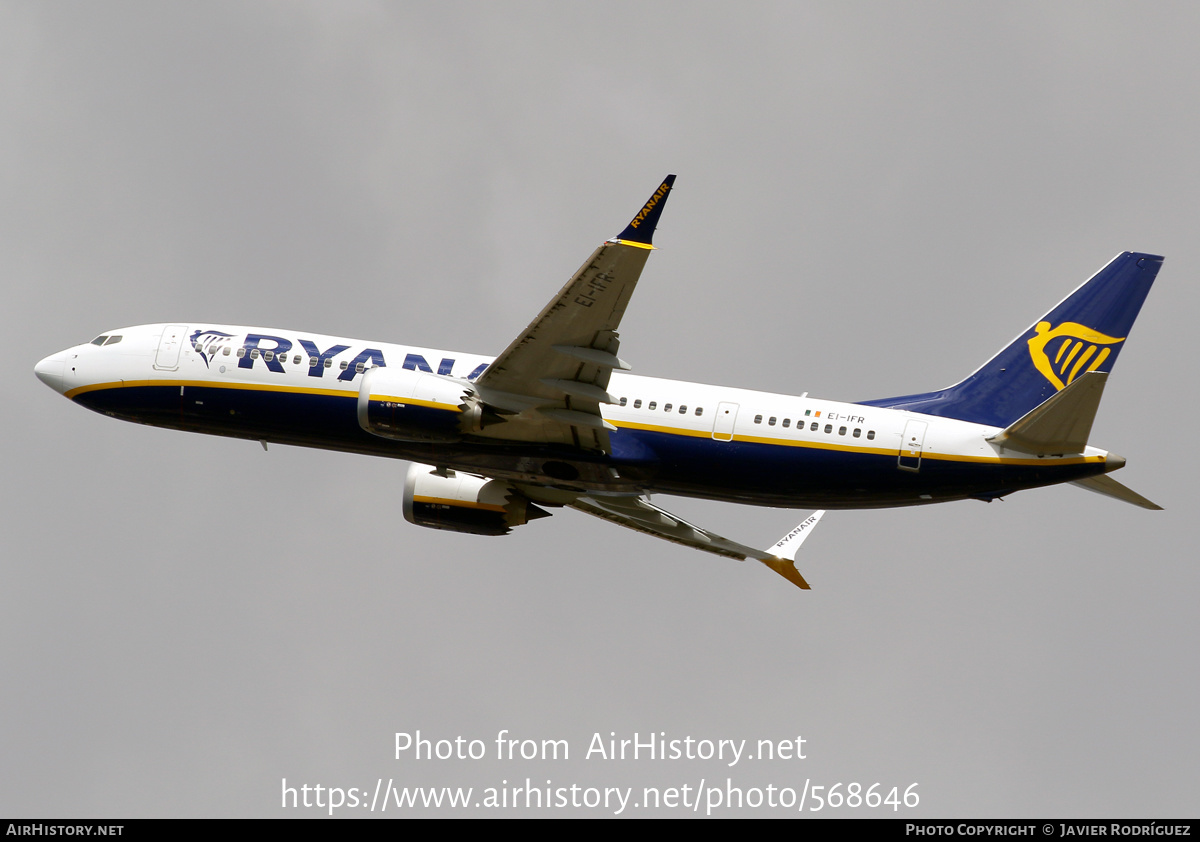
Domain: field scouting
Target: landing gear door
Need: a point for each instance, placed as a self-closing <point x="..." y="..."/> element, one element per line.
<point x="167" y="358"/>
<point x="724" y="420"/>
<point x="910" y="446"/>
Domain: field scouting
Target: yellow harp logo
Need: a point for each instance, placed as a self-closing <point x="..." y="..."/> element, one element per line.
<point x="1068" y="350"/>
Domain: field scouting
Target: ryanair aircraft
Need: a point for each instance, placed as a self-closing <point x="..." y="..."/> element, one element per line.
<point x="556" y="421"/>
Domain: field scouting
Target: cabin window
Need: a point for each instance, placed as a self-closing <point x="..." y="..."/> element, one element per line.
<point x="829" y="428"/>
<point x="359" y="368"/>
<point x="99" y="340"/>
<point x="857" y="432"/>
<point x="757" y="419"/>
<point x="329" y="364"/>
<point x="699" y="410"/>
<point x="345" y="364"/>
<point x="268" y="355"/>
<point x="254" y="354"/>
<point x="870" y="434"/>
<point x="813" y="427"/>
<point x="683" y="409"/>
<point x="241" y="352"/>
<point x="312" y="362"/>
<point x="841" y="431"/>
<point x="771" y="421"/>
<point x="667" y="407"/>
<point x="637" y="404"/>
<point x="296" y="360"/>
<point x="225" y="350"/>
<point x="653" y="405"/>
<point x="787" y="422"/>
<point x="197" y="347"/>
<point x="624" y="401"/>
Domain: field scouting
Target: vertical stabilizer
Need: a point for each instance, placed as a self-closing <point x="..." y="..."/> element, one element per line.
<point x="1084" y="333"/>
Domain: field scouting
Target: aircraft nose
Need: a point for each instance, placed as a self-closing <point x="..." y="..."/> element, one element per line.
<point x="50" y="371"/>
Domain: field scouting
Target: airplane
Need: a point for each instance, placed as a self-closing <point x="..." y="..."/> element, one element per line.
<point x="557" y="421"/>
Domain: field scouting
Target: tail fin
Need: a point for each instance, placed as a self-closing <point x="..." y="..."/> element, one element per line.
<point x="1085" y="332"/>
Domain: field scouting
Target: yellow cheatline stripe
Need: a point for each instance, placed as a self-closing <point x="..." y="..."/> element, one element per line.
<point x="255" y="387"/>
<point x="636" y="245"/>
<point x="1010" y="460"/>
<point x="633" y="425"/>
<point x="703" y="434"/>
<point x="848" y="448"/>
<point x="417" y="402"/>
<point x="458" y="504"/>
<point x="820" y="445"/>
<point x="209" y="384"/>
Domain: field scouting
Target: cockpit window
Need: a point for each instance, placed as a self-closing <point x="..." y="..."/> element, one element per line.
<point x="113" y="340"/>
<point x="99" y="340"/>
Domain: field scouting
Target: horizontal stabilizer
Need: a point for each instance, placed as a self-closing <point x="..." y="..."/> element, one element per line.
<point x="1061" y="423"/>
<point x="640" y="514"/>
<point x="1109" y="487"/>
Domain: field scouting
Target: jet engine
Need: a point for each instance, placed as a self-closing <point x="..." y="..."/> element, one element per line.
<point x="464" y="503"/>
<point x="417" y="406"/>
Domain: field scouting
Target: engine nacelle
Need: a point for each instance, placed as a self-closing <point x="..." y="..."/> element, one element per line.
<point x="417" y="406"/>
<point x="464" y="503"/>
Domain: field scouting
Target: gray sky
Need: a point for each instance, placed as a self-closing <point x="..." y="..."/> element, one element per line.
<point x="872" y="199"/>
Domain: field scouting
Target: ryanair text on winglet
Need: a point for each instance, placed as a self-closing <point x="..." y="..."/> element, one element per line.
<point x="644" y="212"/>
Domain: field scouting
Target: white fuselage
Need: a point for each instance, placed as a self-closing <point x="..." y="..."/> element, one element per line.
<point x="757" y="447"/>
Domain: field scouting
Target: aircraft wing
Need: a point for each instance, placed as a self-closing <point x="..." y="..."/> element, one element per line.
<point x="550" y="381"/>
<point x="640" y="514"/>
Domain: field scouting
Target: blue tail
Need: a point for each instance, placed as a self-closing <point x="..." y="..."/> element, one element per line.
<point x="1085" y="332"/>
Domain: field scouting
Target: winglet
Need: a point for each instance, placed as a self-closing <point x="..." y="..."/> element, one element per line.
<point x="787" y="569"/>
<point x="641" y="229"/>
<point x="789" y="545"/>
<point x="783" y="553"/>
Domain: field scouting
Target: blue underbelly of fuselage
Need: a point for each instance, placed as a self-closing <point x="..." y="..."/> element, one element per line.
<point x="788" y="475"/>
